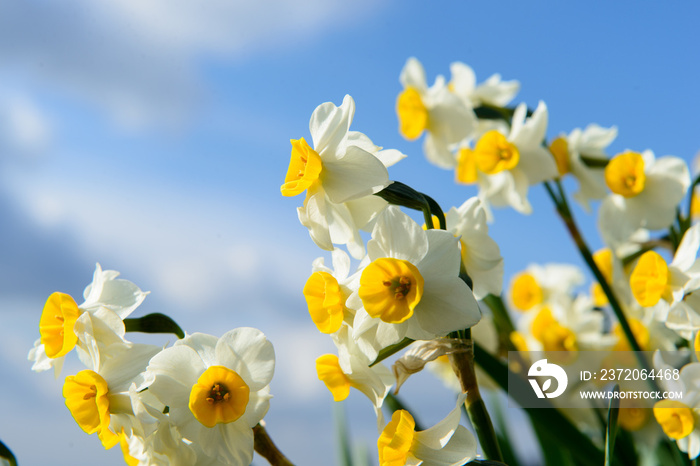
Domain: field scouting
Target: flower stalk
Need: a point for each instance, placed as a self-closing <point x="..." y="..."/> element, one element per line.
<point x="267" y="448"/>
<point x="567" y="217"/>
<point x="462" y="361"/>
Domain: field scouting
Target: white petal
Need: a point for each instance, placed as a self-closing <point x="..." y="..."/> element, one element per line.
<point x="443" y="257"/>
<point x="538" y="165"/>
<point x="355" y="174"/>
<point x="413" y="75"/>
<point x="203" y="344"/>
<point x="396" y="235"/>
<point x="460" y="449"/>
<point x="438" y="153"/>
<point x="251" y="347"/>
<point x="688" y="249"/>
<point x="329" y="125"/>
<point x="258" y="405"/>
<point x="451" y="119"/>
<point x="313" y="217"/>
<point x="437" y="436"/>
<point x="446" y="306"/>
<point x="230" y="443"/>
<point x="176" y="369"/>
<point x="463" y="79"/>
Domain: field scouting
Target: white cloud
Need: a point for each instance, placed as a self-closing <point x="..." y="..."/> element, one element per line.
<point x="139" y="59"/>
<point x="24" y="129"/>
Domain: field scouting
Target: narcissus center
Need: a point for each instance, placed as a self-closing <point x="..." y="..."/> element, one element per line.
<point x="304" y="168"/>
<point x="624" y="174"/>
<point x="675" y="418"/>
<point x="494" y="153"/>
<point x="391" y="289"/>
<point x="219" y="396"/>
<point x="413" y="116"/>
<point x="56" y="324"/>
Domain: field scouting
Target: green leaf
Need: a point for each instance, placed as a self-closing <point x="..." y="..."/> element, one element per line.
<point x="391" y="350"/>
<point x="403" y="195"/>
<point x="341" y="428"/>
<point x="153" y="323"/>
<point x="7" y="454"/>
<point x="594" y="162"/>
<point x="611" y="430"/>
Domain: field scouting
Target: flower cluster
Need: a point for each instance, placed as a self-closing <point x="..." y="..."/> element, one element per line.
<point x="412" y="283"/>
<point x="195" y="402"/>
<point x="436" y="289"/>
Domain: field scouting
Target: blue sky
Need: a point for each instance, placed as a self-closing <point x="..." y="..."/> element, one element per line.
<point x="152" y="137"/>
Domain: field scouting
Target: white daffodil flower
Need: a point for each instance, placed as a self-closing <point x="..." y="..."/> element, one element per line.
<point x="99" y="397"/>
<point x="447" y="443"/>
<point x="351" y="368"/>
<point x="216" y="389"/>
<point x="339" y="175"/>
<point x="410" y="286"/>
<point x="326" y="291"/>
<point x="680" y="419"/>
<point x="645" y="194"/>
<point x="506" y="165"/>
<point x="108" y="301"/>
<point x="569" y="153"/>
<point x="446" y="118"/>
<point x="481" y="255"/>
<point x="654" y="283"/>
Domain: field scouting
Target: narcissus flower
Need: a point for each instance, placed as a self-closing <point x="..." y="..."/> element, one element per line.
<point x="506" y="165"/>
<point x="339" y="174"/>
<point x="108" y="300"/>
<point x="216" y="389"/>
<point x="98" y="397"/>
<point x="581" y="153"/>
<point x="445" y="118"/>
<point x="645" y="193"/>
<point x="410" y="286"/>
<point x="447" y="443"/>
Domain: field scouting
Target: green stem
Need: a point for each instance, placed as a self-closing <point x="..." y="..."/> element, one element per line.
<point x="463" y="366"/>
<point x="267" y="448"/>
<point x="567" y="217"/>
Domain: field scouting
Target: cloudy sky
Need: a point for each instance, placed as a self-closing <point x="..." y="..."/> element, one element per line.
<point x="152" y="137"/>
